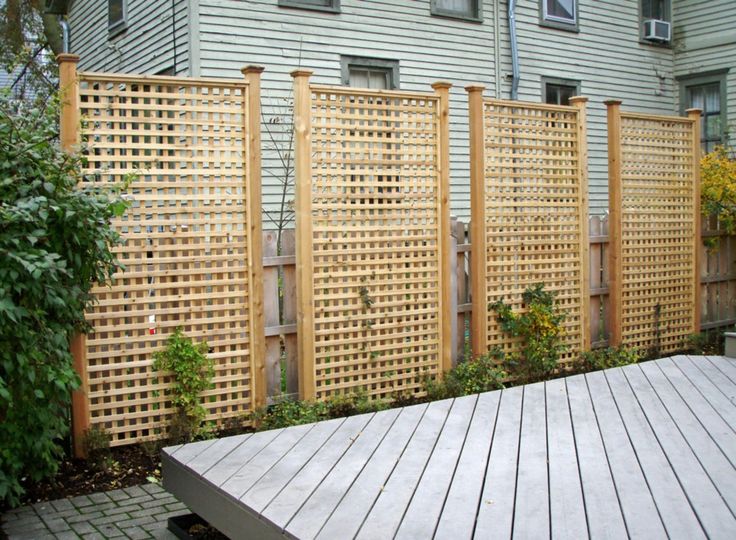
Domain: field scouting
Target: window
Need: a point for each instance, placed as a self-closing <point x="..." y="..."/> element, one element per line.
<point x="653" y="9"/>
<point x="457" y="9"/>
<point x="707" y="92"/>
<point x="332" y="6"/>
<point x="116" y="15"/>
<point x="374" y="73"/>
<point x="561" y="14"/>
<point x="559" y="91"/>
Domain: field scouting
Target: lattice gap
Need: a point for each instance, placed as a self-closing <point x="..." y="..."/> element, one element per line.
<point x="185" y="249"/>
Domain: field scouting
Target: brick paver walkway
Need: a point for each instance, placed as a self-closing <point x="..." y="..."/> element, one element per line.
<point x="135" y="512"/>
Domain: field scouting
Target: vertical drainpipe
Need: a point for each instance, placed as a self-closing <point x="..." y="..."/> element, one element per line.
<point x="497" y="49"/>
<point x="64" y="34"/>
<point x="514" y="51"/>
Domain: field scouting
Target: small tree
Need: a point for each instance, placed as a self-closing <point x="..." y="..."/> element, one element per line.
<point x="718" y="187"/>
<point x="55" y="240"/>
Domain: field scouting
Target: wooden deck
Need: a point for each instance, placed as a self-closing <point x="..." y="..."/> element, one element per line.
<point x="646" y="451"/>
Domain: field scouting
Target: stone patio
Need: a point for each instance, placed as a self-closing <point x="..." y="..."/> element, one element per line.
<point x="136" y="512"/>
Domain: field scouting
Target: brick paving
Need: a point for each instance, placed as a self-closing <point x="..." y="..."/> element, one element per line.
<point x="136" y="512"/>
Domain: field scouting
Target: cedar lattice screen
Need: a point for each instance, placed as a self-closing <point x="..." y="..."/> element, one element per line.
<point x="655" y="230"/>
<point x="187" y="243"/>
<point x="529" y="213"/>
<point x="369" y="240"/>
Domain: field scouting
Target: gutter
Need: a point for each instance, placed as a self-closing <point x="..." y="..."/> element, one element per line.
<point x="515" y="74"/>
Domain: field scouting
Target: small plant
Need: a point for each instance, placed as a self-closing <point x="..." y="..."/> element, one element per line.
<point x="481" y="374"/>
<point x="192" y="374"/>
<point x="540" y="332"/>
<point x="96" y="441"/>
<point x="707" y="342"/>
<point x="608" y="358"/>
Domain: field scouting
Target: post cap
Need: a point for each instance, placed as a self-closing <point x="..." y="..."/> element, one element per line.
<point x="67" y="57"/>
<point x="475" y="88"/>
<point x="612" y="102"/>
<point x="440" y="85"/>
<point x="578" y="99"/>
<point x="694" y="111"/>
<point x="252" y="69"/>
<point x="301" y="73"/>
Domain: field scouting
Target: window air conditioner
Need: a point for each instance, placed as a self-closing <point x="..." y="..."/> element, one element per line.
<point x="656" y="30"/>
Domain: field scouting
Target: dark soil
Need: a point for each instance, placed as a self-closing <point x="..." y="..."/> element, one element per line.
<point x="127" y="466"/>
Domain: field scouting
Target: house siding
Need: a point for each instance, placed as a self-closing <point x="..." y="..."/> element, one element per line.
<point x="705" y="41"/>
<point x="147" y="46"/>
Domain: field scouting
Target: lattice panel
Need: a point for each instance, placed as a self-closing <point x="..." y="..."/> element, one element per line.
<point x="185" y="247"/>
<point x="533" y="195"/>
<point x="658" y="202"/>
<point x="375" y="219"/>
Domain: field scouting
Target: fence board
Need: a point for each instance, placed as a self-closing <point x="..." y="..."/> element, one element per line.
<point x="190" y="257"/>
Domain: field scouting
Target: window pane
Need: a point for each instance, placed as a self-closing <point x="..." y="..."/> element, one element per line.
<point x="114" y="12"/>
<point x="562" y="9"/>
<point x="358" y="78"/>
<point x="712" y="98"/>
<point x="559" y="94"/>
<point x="712" y="127"/>
<point x="696" y="98"/>
<point x="653" y="9"/>
<point x="461" y="6"/>
<point x="378" y="80"/>
<point x="324" y="3"/>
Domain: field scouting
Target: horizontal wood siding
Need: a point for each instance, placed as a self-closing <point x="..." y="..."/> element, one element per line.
<point x="146" y="47"/>
<point x="428" y="49"/>
<point x="607" y="58"/>
<point x="705" y="40"/>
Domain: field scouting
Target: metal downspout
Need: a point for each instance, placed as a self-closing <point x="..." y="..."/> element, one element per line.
<point x="64" y="33"/>
<point x="515" y="75"/>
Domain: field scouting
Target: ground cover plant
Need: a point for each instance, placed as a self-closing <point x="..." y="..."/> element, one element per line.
<point x="55" y="243"/>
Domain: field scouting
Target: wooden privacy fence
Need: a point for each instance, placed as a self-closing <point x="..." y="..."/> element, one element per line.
<point x="529" y="213"/>
<point x="191" y="242"/>
<point x="654" y="198"/>
<point x="372" y="226"/>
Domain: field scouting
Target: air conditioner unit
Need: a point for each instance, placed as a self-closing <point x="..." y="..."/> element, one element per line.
<point x="656" y="30"/>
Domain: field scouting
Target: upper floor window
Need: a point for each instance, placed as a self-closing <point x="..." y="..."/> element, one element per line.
<point x="318" y="5"/>
<point x="655" y="9"/>
<point x="116" y="16"/>
<point x="458" y="9"/>
<point x="559" y="14"/>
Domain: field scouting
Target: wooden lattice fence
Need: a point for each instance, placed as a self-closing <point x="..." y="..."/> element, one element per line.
<point x="191" y="243"/>
<point x="529" y="213"/>
<point x="654" y="194"/>
<point x="372" y="229"/>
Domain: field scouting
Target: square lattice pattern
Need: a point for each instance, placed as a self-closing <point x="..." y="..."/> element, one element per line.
<point x="185" y="244"/>
<point x="375" y="217"/>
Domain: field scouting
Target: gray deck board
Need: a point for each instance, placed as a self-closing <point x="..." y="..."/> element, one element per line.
<point x="645" y="451"/>
<point x="681" y="521"/>
<point x="385" y="516"/>
<point x="465" y="491"/>
<point x="711" y="510"/>
<point x="310" y="518"/>
<point x="423" y="514"/>
<point x="358" y="501"/>
<point x="604" y="517"/>
<point x="637" y="504"/>
<point x="496" y="506"/>
<point x="567" y="508"/>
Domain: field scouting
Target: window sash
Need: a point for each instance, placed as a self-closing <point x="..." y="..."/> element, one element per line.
<point x="115" y="13"/>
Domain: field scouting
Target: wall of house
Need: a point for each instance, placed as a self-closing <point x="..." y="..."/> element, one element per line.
<point x="606" y="56"/>
<point x="147" y="46"/>
<point x="705" y="41"/>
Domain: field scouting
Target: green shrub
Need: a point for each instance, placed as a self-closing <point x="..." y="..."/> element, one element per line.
<point x="192" y="373"/>
<point x="708" y="342"/>
<point x="540" y="333"/>
<point x="97" y="447"/>
<point x="55" y="240"/>
<point x="481" y="374"/>
<point x="608" y="358"/>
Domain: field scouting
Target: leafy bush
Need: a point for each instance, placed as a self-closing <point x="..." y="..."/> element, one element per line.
<point x="55" y="242"/>
<point x="192" y="372"/>
<point x="608" y="358"/>
<point x="718" y="187"/>
<point x="473" y="376"/>
<point x="708" y="342"/>
<point x="97" y="446"/>
<point x="540" y="332"/>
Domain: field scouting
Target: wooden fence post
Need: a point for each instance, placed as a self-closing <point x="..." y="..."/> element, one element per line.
<point x="255" y="237"/>
<point x="694" y="115"/>
<point x="614" y="222"/>
<point x="69" y="135"/>
<point x="580" y="102"/>
<point x="304" y="262"/>
<point x="479" y="330"/>
<point x="442" y="89"/>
